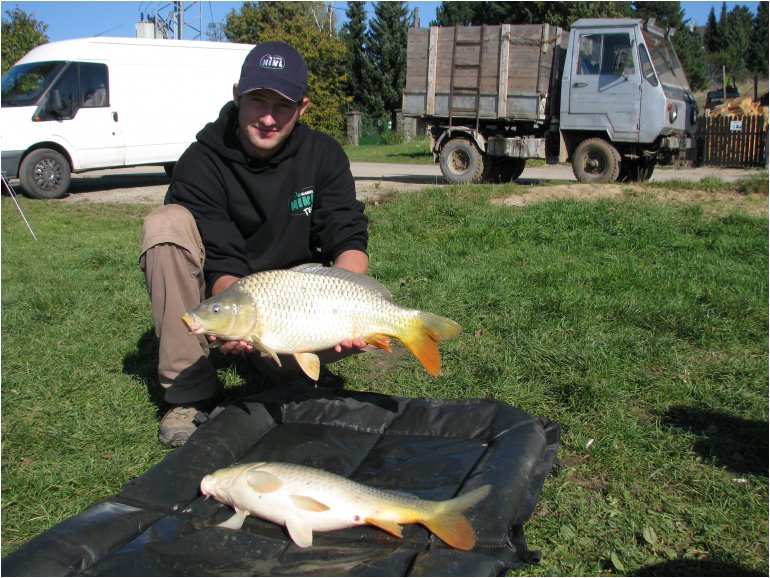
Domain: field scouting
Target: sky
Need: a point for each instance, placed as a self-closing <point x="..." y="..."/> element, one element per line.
<point x="118" y="18"/>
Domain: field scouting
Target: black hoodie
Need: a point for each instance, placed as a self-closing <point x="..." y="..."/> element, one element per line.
<point x="298" y="206"/>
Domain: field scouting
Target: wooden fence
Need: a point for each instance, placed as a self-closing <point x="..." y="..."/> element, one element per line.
<point x="732" y="141"/>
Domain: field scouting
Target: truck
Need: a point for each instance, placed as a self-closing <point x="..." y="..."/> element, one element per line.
<point x="610" y="96"/>
<point x="95" y="103"/>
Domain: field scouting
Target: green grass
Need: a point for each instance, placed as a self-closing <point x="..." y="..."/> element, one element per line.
<point x="415" y="152"/>
<point x="641" y="327"/>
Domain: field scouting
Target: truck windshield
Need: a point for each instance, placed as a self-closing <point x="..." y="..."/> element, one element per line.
<point x="666" y="62"/>
<point x="24" y="83"/>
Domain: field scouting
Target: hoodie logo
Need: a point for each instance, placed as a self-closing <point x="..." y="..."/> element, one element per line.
<point x="301" y="202"/>
<point x="273" y="62"/>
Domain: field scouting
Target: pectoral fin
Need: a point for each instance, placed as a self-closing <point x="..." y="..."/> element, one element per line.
<point x="235" y="521"/>
<point x="308" y="503"/>
<point x="387" y="525"/>
<point x="310" y="364"/>
<point x="263" y="482"/>
<point x="300" y="532"/>
<point x="381" y="341"/>
<point x="262" y="347"/>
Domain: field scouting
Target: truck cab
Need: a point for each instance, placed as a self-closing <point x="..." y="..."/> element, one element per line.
<point x="625" y="101"/>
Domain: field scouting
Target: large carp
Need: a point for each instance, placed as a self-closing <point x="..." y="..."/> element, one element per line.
<point x="310" y="308"/>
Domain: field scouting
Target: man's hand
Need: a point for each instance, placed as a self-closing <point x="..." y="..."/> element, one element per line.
<point x="236" y="346"/>
<point x="350" y="344"/>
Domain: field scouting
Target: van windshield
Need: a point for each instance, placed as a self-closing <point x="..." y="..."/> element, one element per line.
<point x="24" y="83"/>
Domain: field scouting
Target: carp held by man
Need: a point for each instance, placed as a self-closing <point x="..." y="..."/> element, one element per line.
<point x="307" y="500"/>
<point x="310" y="308"/>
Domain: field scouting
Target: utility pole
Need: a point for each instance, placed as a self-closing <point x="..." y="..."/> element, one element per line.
<point x="171" y="22"/>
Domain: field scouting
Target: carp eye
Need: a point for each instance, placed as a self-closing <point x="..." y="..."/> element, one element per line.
<point x="216" y="308"/>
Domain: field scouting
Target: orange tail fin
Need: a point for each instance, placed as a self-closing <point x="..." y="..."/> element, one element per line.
<point x="423" y="340"/>
<point x="451" y="525"/>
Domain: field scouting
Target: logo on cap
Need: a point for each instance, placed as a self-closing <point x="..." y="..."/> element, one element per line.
<point x="273" y="62"/>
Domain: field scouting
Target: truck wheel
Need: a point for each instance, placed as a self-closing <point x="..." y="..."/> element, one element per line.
<point x="44" y="174"/>
<point x="505" y="169"/>
<point x="462" y="162"/>
<point x="596" y="161"/>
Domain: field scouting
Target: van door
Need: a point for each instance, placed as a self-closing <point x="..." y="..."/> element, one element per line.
<point x="78" y="109"/>
<point x="604" y="92"/>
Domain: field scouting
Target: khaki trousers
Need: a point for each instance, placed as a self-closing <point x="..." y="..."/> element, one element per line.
<point x="172" y="257"/>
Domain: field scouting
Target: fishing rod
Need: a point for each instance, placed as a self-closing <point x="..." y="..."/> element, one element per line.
<point x="12" y="193"/>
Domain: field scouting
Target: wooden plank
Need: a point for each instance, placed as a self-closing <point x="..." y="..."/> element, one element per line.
<point x="430" y="102"/>
<point x="502" y="75"/>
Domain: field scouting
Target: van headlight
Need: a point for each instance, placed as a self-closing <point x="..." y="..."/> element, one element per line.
<point x="673" y="112"/>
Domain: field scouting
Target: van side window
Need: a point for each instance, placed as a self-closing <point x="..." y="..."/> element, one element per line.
<point x="93" y="85"/>
<point x="647" y="70"/>
<point x="64" y="97"/>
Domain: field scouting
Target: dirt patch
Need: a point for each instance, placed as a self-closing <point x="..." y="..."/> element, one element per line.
<point x="716" y="203"/>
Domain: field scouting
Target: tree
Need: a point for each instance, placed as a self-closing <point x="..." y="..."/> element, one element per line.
<point x="451" y="13"/>
<point x="737" y="32"/>
<point x="386" y="42"/>
<point x="711" y="37"/>
<point x="556" y="13"/>
<point x="360" y="70"/>
<point x="692" y="55"/>
<point x="310" y="28"/>
<point x="21" y="32"/>
<point x="757" y="56"/>
<point x="667" y="14"/>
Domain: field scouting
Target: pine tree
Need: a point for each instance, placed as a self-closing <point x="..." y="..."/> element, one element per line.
<point x="757" y="56"/>
<point x="359" y="67"/>
<point x="712" y="38"/>
<point x="737" y="31"/>
<point x="386" y="44"/>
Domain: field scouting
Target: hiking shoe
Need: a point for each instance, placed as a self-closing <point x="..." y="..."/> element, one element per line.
<point x="180" y="422"/>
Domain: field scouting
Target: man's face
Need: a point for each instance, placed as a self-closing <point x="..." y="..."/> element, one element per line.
<point x="266" y="118"/>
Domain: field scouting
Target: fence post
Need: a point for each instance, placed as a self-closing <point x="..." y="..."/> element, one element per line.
<point x="353" y="125"/>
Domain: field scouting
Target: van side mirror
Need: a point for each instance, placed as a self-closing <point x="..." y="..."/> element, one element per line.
<point x="55" y="103"/>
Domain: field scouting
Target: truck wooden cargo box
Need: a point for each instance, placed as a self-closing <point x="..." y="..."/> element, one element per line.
<point x="483" y="72"/>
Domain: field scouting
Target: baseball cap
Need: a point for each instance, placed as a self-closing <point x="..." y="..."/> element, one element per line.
<point x="277" y="66"/>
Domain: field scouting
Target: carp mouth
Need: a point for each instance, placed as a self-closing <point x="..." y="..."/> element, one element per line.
<point x="193" y="327"/>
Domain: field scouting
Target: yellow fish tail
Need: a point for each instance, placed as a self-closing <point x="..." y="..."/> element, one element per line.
<point x="423" y="339"/>
<point x="449" y="523"/>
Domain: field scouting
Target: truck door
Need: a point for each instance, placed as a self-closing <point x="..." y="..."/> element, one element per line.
<point x="79" y="114"/>
<point x="604" y="93"/>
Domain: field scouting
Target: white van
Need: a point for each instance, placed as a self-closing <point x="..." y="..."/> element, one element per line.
<point x="95" y="103"/>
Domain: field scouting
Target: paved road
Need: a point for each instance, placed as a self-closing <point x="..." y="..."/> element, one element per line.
<point x="149" y="184"/>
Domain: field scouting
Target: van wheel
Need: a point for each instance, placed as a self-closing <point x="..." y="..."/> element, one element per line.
<point x="45" y="174"/>
<point x="596" y="161"/>
<point x="462" y="162"/>
<point x="505" y="169"/>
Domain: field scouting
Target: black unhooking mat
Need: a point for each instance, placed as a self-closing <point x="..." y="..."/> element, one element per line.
<point x="160" y="525"/>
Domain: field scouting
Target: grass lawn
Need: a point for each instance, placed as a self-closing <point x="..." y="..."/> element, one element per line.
<point x="415" y="152"/>
<point x="640" y="326"/>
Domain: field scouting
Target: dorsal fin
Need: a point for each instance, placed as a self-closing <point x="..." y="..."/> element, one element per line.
<point x="363" y="280"/>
